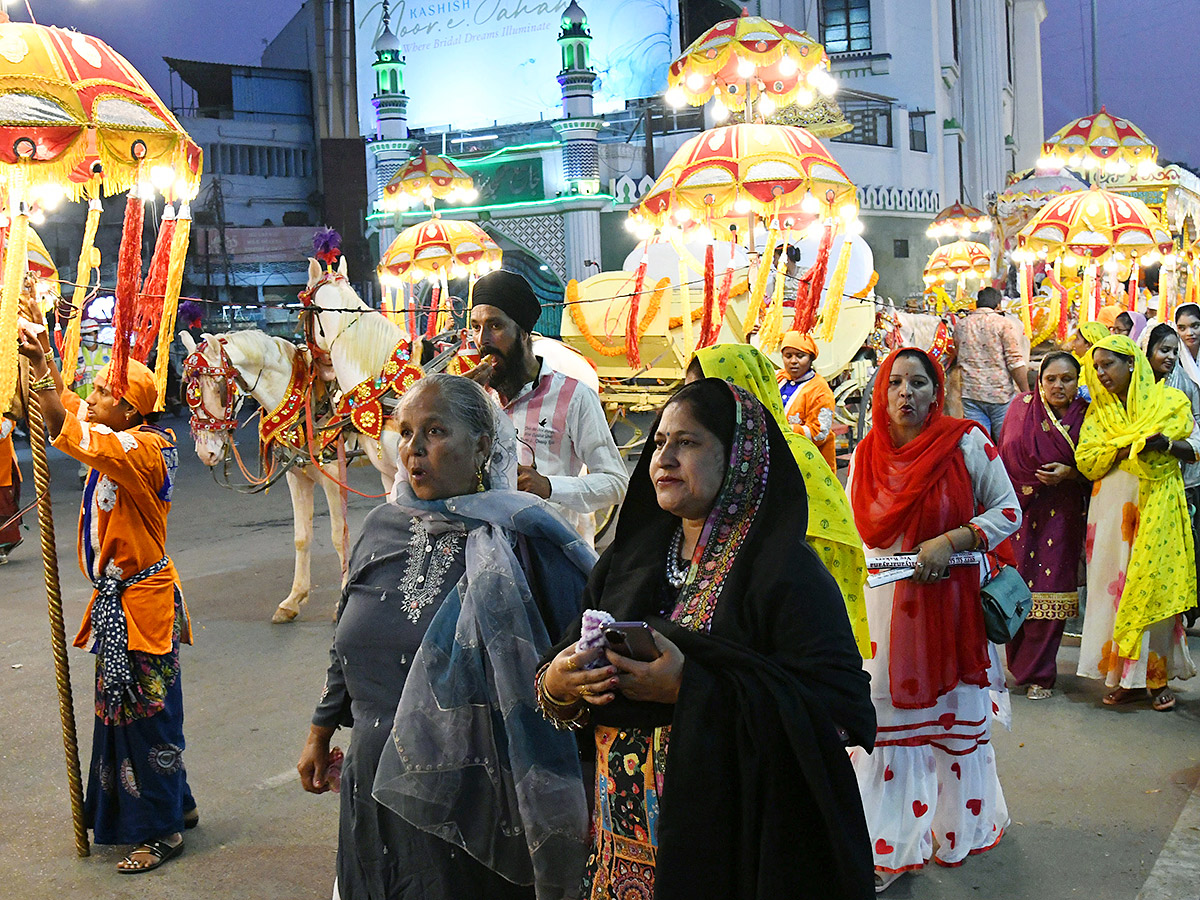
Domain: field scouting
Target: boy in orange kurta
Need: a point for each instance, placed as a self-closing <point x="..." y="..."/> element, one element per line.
<point x="137" y="787"/>
<point x="807" y="398"/>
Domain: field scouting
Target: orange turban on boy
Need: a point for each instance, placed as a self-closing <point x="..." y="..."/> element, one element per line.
<point x="800" y="341"/>
<point x="141" y="392"/>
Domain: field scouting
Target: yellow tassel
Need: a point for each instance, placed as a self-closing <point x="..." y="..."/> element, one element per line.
<point x="1087" y="301"/>
<point x="833" y="296"/>
<point x="760" y="280"/>
<point x="15" y="260"/>
<point x="444" y="305"/>
<point x="771" y="335"/>
<point x="685" y="308"/>
<point x="166" y="328"/>
<point x="83" y="277"/>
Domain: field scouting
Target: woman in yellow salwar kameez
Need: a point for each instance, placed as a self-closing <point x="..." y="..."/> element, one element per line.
<point x="831" y="530"/>
<point x="1141" y="573"/>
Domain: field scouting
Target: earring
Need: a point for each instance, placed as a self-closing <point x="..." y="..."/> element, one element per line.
<point x="479" y="488"/>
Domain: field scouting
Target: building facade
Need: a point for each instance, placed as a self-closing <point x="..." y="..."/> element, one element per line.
<point x="944" y="97"/>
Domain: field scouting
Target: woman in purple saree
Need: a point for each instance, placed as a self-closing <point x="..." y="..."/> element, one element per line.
<point x="1038" y="449"/>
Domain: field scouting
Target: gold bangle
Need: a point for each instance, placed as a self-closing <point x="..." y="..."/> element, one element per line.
<point x="45" y="383"/>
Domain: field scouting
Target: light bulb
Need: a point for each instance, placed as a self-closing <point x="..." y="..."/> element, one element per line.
<point x="742" y="206"/>
<point x="675" y="97"/>
<point x="696" y="82"/>
<point x="745" y="69"/>
<point x="856" y="227"/>
<point x="720" y="112"/>
<point x="810" y="204"/>
<point x="766" y="106"/>
<point x="847" y="211"/>
<point x="787" y="66"/>
<point x="162" y="177"/>
<point x="805" y="97"/>
<point x="1146" y="168"/>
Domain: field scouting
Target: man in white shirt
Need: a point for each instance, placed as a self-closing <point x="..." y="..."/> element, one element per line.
<point x="568" y="455"/>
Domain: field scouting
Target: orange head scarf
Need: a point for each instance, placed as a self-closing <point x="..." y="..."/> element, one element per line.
<point x="798" y="340"/>
<point x="917" y="492"/>
<point x="140" y="392"/>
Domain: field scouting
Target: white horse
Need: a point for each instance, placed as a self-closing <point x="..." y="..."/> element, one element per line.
<point x="356" y="341"/>
<point x="264" y="369"/>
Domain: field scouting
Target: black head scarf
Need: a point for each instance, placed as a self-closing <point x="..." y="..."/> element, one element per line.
<point x="760" y="795"/>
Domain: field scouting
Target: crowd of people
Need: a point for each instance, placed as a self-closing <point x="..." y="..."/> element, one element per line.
<point x="787" y="717"/>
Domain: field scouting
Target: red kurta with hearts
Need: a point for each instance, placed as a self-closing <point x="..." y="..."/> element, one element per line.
<point x="933" y="770"/>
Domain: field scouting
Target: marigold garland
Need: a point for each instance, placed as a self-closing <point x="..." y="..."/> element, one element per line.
<point x="573" y="306"/>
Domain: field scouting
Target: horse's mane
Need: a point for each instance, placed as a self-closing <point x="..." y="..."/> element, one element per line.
<point x="364" y="339"/>
<point x="260" y="349"/>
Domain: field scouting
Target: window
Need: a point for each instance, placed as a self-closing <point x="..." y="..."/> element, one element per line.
<point x="845" y="25"/>
<point x="917" y="138"/>
<point x="954" y="26"/>
<point x="872" y="121"/>
<point x="900" y="248"/>
<point x="1008" y="39"/>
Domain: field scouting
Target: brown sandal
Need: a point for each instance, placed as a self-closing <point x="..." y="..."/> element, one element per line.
<point x="1121" y="696"/>
<point x="1164" y="700"/>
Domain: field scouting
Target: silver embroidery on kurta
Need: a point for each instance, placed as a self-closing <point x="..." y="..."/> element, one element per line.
<point x="429" y="559"/>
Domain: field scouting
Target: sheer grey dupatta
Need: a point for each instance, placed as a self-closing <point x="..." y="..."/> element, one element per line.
<point x="471" y="758"/>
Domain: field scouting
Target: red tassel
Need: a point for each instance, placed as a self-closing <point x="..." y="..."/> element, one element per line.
<point x="150" y="300"/>
<point x="129" y="270"/>
<point x="808" y="296"/>
<point x="431" y="322"/>
<point x="1064" y="307"/>
<point x="722" y="304"/>
<point x="410" y="313"/>
<point x="710" y="268"/>
<point x="1134" y="271"/>
<point x="633" y="353"/>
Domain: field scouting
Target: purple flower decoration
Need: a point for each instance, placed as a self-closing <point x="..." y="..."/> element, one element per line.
<point x="327" y="246"/>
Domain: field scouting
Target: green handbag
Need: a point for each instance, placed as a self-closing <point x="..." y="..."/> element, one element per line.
<point x="1006" y="602"/>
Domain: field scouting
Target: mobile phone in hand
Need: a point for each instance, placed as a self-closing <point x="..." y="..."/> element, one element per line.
<point x="632" y="639"/>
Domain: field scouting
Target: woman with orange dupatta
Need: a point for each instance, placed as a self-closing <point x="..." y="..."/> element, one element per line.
<point x="925" y="483"/>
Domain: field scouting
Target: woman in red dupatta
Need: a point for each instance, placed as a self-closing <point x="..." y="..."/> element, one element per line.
<point x="924" y="482"/>
<point x="1037" y="445"/>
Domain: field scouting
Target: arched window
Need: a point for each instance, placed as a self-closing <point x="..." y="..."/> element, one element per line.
<point x="392" y="81"/>
<point x="579" y="62"/>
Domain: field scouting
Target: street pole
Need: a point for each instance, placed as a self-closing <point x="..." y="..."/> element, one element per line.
<point x="58" y="639"/>
<point x="1095" y="58"/>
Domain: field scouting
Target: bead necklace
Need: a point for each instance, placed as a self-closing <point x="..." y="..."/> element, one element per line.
<point x="677" y="571"/>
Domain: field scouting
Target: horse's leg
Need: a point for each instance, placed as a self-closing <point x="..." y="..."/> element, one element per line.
<point x="300" y="486"/>
<point x="378" y="456"/>
<point x="337" y="522"/>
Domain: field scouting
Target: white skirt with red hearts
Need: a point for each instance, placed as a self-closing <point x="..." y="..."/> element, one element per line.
<point x="930" y="788"/>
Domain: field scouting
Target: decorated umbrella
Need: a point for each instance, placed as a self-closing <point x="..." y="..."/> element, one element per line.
<point x="1020" y="201"/>
<point x="957" y="263"/>
<point x="436" y="250"/>
<point x="80" y="121"/>
<point x="425" y="179"/>
<point x="958" y="221"/>
<point x="743" y="169"/>
<point x="779" y="172"/>
<point x="1090" y="228"/>
<point x="1100" y="143"/>
<point x="750" y="63"/>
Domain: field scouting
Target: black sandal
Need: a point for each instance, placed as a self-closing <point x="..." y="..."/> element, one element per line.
<point x="160" y="850"/>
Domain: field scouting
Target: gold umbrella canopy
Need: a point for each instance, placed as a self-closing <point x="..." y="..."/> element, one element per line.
<point x="430" y="249"/>
<point x="1093" y="226"/>
<point x="70" y="101"/>
<point x="958" y="260"/>
<point x="1100" y="143"/>
<point x="958" y="221"/>
<point x="750" y="59"/>
<point x="425" y="179"/>
<point x="740" y="169"/>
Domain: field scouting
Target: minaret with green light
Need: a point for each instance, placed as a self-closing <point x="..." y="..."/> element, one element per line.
<point x="391" y="147"/>
<point x="578" y="128"/>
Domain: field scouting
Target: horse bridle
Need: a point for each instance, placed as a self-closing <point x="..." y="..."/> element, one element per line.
<point x="196" y="365"/>
<point x="310" y="312"/>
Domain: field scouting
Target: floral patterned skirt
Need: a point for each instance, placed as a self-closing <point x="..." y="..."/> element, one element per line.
<point x="1112" y="526"/>
<point x="629" y="781"/>
<point x="137" y="786"/>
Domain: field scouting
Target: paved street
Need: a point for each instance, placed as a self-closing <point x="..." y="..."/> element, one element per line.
<point x="1094" y="794"/>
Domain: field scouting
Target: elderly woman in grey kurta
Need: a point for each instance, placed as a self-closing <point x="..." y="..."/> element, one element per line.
<point x="457" y="586"/>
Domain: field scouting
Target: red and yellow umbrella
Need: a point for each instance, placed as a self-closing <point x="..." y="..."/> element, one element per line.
<point x="450" y="247"/>
<point x="1100" y="142"/>
<point x="425" y="179"/>
<point x="1092" y="226"/>
<point x="958" y="220"/>
<point x="70" y="101"/>
<point x="957" y="260"/>
<point x="750" y="59"/>
<point x="740" y="169"/>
